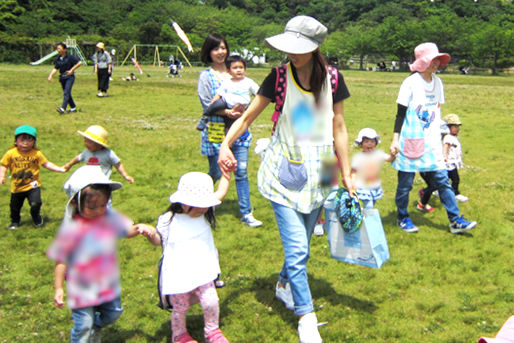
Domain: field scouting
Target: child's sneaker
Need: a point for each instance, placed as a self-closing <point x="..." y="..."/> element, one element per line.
<point x="250" y="220"/>
<point x="308" y="329"/>
<point x="216" y="336"/>
<point x="202" y="123"/>
<point x="424" y="208"/>
<point x="407" y="225"/>
<point x="13" y="226"/>
<point x="185" y="338"/>
<point x="284" y="294"/>
<point x="461" y="198"/>
<point x="461" y="225"/>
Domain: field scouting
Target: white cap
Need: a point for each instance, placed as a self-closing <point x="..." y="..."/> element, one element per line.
<point x="367" y="133"/>
<point x="195" y="189"/>
<point x="80" y="179"/>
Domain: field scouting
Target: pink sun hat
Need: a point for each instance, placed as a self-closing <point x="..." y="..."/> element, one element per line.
<point x="505" y="335"/>
<point x="425" y="53"/>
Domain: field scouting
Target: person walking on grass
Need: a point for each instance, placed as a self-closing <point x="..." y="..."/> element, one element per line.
<point x="366" y="166"/>
<point x="24" y="161"/>
<point x="97" y="152"/>
<point x="310" y="125"/>
<point x="417" y="137"/>
<point x="86" y="255"/>
<point x="190" y="259"/>
<point x="215" y="51"/>
<point x="66" y="65"/>
<point x="452" y="153"/>
<point x="103" y="68"/>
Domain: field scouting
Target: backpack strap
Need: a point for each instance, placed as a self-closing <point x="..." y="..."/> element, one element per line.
<point x="281" y="87"/>
<point x="280" y="93"/>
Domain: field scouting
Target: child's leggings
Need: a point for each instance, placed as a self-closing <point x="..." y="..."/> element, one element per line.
<point x="181" y="303"/>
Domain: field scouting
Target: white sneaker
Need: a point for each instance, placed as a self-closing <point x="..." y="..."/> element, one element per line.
<point x="250" y="220"/>
<point x="436" y="193"/>
<point x="284" y="294"/>
<point x="308" y="329"/>
<point x="100" y="94"/>
<point x="461" y="198"/>
<point x="318" y="229"/>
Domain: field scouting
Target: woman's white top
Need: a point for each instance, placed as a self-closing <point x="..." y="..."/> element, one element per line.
<point x="190" y="256"/>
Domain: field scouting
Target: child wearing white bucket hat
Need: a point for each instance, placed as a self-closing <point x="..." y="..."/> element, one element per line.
<point x="97" y="153"/>
<point x="85" y="253"/>
<point x="366" y="166"/>
<point x="190" y="259"/>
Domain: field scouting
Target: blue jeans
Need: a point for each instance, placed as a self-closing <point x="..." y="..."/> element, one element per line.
<point x="295" y="231"/>
<point x="241" y="176"/>
<point x="87" y="319"/>
<point x="438" y="180"/>
<point x="67" y="84"/>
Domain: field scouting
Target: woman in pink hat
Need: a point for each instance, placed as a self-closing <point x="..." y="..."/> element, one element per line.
<point x="417" y="137"/>
<point x="309" y="125"/>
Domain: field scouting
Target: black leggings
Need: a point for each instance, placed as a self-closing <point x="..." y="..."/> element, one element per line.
<point x="34" y="198"/>
<point x="103" y="79"/>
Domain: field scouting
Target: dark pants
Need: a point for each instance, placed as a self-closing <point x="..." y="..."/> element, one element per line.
<point x="454" y="176"/>
<point x="67" y="84"/>
<point x="103" y="79"/>
<point x="34" y="198"/>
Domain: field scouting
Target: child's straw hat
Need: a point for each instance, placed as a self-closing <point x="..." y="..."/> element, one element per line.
<point x="195" y="189"/>
<point x="97" y="134"/>
<point x="452" y="119"/>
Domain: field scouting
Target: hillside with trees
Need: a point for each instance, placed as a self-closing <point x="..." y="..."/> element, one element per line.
<point x="478" y="33"/>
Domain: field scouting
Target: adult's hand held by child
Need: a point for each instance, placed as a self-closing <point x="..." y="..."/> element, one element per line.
<point x="59" y="298"/>
<point x="226" y="161"/>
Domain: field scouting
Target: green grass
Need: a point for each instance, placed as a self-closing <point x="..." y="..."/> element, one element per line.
<point x="437" y="287"/>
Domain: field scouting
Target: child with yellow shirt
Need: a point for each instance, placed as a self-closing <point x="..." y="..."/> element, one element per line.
<point x="24" y="161"/>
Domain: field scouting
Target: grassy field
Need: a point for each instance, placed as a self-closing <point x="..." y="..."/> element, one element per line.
<point x="437" y="287"/>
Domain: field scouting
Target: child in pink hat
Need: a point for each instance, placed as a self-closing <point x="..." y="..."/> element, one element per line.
<point x="417" y="137"/>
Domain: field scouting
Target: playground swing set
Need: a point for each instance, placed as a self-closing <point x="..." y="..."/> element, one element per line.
<point x="156" y="54"/>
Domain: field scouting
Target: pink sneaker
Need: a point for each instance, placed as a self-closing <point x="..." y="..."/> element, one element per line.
<point x="216" y="336"/>
<point x="185" y="338"/>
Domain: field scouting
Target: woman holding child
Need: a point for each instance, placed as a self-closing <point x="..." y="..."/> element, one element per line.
<point x="310" y="125"/>
<point x="214" y="52"/>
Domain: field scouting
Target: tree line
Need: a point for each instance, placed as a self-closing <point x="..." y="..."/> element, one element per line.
<point x="476" y="33"/>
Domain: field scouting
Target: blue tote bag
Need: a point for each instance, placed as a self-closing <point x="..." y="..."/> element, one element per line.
<point x="366" y="246"/>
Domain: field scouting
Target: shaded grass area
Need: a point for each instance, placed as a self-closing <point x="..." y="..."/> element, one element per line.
<point x="437" y="287"/>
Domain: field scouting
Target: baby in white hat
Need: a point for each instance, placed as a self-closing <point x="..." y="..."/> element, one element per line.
<point x="97" y="153"/>
<point x="366" y="166"/>
<point x="190" y="260"/>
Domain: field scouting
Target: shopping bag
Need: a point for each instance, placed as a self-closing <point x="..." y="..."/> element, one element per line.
<point x="366" y="246"/>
